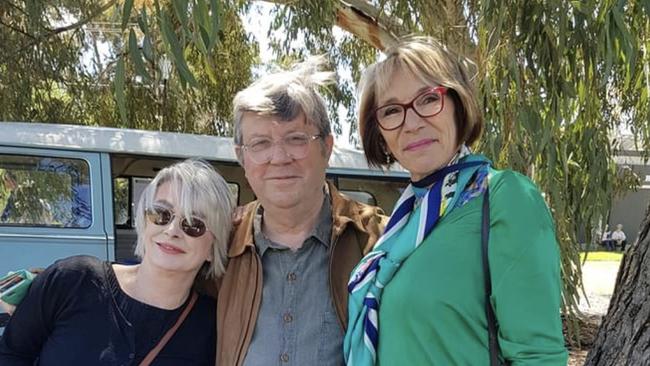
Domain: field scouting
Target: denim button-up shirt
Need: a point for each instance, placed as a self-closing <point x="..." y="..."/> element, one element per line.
<point x="297" y="323"/>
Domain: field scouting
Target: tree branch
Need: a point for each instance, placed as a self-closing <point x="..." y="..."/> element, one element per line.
<point x="21" y="10"/>
<point x="362" y="19"/>
<point x="57" y="31"/>
<point x="17" y="30"/>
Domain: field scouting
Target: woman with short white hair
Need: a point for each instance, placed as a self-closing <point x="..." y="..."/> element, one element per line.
<point x="84" y="311"/>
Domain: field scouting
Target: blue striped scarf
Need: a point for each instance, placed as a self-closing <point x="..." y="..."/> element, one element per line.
<point x="377" y="268"/>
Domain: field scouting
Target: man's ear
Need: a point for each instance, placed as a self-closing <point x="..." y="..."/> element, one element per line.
<point x="239" y="153"/>
<point x="329" y="145"/>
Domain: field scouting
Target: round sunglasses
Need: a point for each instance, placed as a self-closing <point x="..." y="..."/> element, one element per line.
<point x="162" y="216"/>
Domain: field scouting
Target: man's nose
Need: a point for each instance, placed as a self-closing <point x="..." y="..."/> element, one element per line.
<point x="279" y="154"/>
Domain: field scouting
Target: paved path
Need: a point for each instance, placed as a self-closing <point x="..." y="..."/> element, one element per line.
<point x="599" y="279"/>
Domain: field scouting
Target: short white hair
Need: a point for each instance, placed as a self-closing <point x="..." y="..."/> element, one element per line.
<point x="200" y="190"/>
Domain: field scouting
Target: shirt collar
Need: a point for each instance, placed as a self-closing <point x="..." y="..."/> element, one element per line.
<point x="322" y="231"/>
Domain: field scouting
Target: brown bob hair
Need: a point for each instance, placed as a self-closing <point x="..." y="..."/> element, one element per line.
<point x="433" y="63"/>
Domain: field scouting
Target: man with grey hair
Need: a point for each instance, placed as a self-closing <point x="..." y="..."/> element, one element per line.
<point x="619" y="238"/>
<point x="283" y="298"/>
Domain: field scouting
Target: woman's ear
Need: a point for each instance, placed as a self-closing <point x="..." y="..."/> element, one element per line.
<point x="210" y="256"/>
<point x="384" y="146"/>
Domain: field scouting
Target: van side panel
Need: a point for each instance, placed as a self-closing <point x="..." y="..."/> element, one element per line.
<point x="27" y="244"/>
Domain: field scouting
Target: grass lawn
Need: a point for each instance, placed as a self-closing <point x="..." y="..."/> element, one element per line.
<point x="603" y="256"/>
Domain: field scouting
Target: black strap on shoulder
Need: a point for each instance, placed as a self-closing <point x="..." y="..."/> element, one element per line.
<point x="493" y="341"/>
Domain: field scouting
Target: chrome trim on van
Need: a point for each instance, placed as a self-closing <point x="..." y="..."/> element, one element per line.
<point x="51" y="236"/>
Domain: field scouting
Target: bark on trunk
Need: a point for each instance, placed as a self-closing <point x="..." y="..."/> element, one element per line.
<point x="624" y="336"/>
<point x="362" y="19"/>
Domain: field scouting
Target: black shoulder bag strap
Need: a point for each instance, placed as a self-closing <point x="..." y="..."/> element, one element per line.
<point x="493" y="341"/>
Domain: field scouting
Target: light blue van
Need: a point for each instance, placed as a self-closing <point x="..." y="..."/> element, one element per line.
<point x="68" y="190"/>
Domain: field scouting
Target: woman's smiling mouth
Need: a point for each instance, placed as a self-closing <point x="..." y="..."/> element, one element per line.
<point x="417" y="145"/>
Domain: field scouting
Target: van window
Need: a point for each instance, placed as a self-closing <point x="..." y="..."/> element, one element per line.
<point x="126" y="198"/>
<point x="363" y="197"/>
<point x="373" y="190"/>
<point x="44" y="191"/>
<point x="121" y="201"/>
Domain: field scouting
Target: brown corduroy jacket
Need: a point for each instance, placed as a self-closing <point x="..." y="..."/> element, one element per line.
<point x="355" y="229"/>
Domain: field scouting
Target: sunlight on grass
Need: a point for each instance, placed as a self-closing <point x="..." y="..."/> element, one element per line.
<point x="602" y="256"/>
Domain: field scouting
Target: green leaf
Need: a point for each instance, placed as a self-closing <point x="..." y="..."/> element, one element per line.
<point x="205" y="40"/>
<point x="215" y="15"/>
<point x="198" y="42"/>
<point x="119" y="90"/>
<point x="209" y="69"/>
<point x="126" y="13"/>
<point x="176" y="51"/>
<point x="147" y="49"/>
<point x="201" y="13"/>
<point x="626" y="39"/>
<point x="180" y="8"/>
<point x="143" y="21"/>
<point x="202" y="24"/>
<point x="136" y="56"/>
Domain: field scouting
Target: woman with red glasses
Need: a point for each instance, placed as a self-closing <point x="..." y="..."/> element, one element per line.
<point x="467" y="271"/>
<point x="84" y="311"/>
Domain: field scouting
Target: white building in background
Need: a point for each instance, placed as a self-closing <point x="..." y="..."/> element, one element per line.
<point x="630" y="209"/>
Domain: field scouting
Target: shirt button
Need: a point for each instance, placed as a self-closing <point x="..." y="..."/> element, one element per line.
<point x="287" y="318"/>
<point x="284" y="357"/>
<point x="291" y="277"/>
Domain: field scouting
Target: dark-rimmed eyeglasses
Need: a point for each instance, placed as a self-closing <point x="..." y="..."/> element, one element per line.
<point x="426" y="104"/>
<point x="162" y="216"/>
<point x="295" y="145"/>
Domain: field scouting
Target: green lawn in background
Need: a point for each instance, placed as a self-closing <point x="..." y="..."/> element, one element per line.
<point x="602" y="256"/>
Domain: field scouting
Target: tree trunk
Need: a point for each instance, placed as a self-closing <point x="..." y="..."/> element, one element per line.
<point x="362" y="19"/>
<point x="624" y="336"/>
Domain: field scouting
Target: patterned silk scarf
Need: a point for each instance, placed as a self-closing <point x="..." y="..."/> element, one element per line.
<point x="448" y="187"/>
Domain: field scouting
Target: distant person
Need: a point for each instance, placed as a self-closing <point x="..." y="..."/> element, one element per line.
<point x="606" y="240"/>
<point x="618" y="237"/>
<point x="84" y="311"/>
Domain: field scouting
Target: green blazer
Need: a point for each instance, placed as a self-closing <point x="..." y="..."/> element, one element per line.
<point x="432" y="311"/>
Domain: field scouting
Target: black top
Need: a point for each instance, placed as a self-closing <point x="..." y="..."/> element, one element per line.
<point x="76" y="314"/>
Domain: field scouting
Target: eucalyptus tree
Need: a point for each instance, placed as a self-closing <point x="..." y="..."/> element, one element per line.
<point x="109" y="63"/>
<point x="34" y="72"/>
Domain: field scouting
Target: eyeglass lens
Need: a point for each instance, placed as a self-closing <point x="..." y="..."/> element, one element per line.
<point x="295" y="145"/>
<point x="427" y="104"/>
<point x="162" y="216"/>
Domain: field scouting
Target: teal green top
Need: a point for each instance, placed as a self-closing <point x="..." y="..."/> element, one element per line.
<point x="432" y="311"/>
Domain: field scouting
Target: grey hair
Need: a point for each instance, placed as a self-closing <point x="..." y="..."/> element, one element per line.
<point x="286" y="94"/>
<point x="200" y="191"/>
